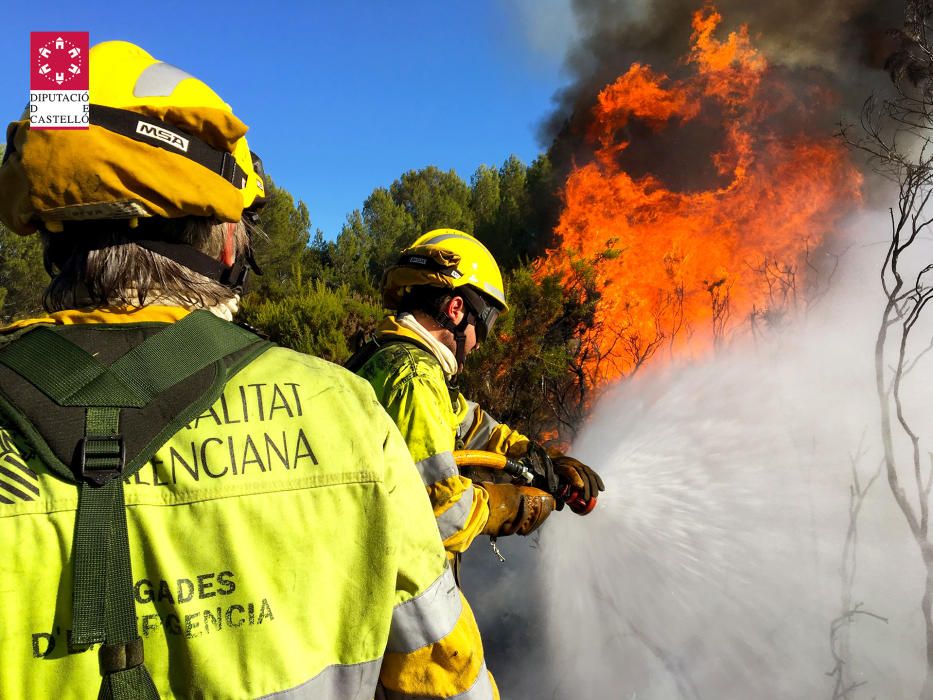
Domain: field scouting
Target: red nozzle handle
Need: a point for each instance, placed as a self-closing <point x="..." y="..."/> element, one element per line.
<point x="574" y="500"/>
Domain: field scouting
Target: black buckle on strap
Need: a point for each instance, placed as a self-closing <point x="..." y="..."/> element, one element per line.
<point x="97" y="455"/>
<point x="120" y="657"/>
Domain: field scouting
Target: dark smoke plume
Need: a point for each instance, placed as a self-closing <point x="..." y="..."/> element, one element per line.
<point x="840" y="45"/>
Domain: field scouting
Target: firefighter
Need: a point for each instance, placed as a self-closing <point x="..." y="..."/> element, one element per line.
<point x="187" y="510"/>
<point x="447" y="291"/>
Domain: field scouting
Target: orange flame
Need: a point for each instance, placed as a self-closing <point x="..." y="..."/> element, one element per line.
<point x="688" y="268"/>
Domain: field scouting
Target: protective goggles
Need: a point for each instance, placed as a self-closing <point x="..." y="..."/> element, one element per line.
<point x="484" y="312"/>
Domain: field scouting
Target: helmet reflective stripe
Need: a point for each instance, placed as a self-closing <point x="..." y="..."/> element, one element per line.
<point x="159" y="80"/>
<point x="446" y="237"/>
<point x="493" y="291"/>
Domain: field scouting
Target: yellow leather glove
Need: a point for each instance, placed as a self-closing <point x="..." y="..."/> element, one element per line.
<point x="516" y="510"/>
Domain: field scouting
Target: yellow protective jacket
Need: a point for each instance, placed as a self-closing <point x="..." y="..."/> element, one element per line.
<point x="434" y="421"/>
<point x="281" y="545"/>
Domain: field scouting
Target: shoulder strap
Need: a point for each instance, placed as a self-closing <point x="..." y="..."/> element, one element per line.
<point x="374" y="345"/>
<point x="103" y="605"/>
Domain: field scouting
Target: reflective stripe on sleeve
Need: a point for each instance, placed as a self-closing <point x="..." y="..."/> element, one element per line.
<point x="437" y="468"/>
<point x="475" y="434"/>
<point x="337" y="682"/>
<point x="481" y="690"/>
<point x="454" y="519"/>
<point x="426" y="618"/>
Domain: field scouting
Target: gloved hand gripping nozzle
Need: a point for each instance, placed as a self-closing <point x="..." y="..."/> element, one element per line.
<point x="568" y="480"/>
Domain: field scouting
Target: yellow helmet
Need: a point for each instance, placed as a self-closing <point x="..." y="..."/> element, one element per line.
<point x="160" y="143"/>
<point x="444" y="258"/>
<point x="449" y="259"/>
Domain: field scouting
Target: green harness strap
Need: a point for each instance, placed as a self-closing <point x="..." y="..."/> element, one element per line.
<point x="104" y="607"/>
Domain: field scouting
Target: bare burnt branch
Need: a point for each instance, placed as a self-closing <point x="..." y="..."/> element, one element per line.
<point x="919" y="356"/>
<point x="848" y="566"/>
<point x="719" y="291"/>
<point x="817" y="290"/>
<point x="843" y="688"/>
<point x="897" y="138"/>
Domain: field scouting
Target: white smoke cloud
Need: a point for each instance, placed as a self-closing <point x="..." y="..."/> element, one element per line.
<point x="711" y="567"/>
<point x="548" y="25"/>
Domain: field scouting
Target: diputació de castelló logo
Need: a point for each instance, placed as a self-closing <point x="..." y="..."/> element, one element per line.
<point x="58" y="80"/>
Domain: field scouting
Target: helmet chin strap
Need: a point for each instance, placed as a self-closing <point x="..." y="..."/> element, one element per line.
<point x="232" y="276"/>
<point x="460" y="338"/>
<point x="228" y="269"/>
<point x="459" y="331"/>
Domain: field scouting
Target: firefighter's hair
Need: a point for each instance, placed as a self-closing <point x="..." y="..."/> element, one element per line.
<point x="97" y="264"/>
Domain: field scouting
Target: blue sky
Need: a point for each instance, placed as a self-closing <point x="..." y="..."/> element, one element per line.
<point x="342" y="97"/>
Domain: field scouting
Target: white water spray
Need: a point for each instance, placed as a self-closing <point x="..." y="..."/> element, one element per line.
<point x="711" y="567"/>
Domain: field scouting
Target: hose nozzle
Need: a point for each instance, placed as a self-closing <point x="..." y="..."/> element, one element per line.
<point x="573" y="499"/>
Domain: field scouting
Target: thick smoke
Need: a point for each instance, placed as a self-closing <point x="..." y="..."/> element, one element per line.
<point x="843" y="38"/>
<point x="712" y="567"/>
<point x="839" y="45"/>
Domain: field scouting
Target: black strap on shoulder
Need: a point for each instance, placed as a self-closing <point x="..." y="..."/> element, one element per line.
<point x="374" y="345"/>
<point x="104" y="610"/>
<point x="362" y="355"/>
